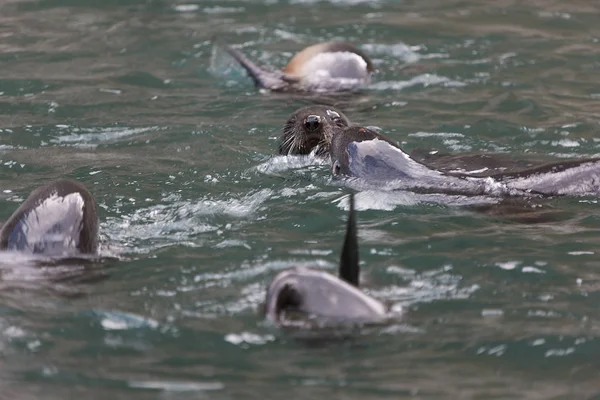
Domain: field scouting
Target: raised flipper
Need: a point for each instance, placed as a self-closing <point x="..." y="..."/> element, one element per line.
<point x="378" y="160"/>
<point x="262" y="78"/>
<point x="349" y="269"/>
<point x="57" y="219"/>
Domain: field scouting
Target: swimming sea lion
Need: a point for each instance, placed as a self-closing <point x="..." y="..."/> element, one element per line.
<point x="321" y="297"/>
<point x="309" y="128"/>
<point x="360" y="152"/>
<point x="301" y="135"/>
<point x="323" y="67"/>
<point x="57" y="219"/>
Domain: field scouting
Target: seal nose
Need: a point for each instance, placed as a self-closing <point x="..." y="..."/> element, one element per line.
<point x="336" y="168"/>
<point x="312" y="122"/>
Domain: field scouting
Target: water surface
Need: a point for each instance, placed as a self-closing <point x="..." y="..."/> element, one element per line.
<point x="197" y="215"/>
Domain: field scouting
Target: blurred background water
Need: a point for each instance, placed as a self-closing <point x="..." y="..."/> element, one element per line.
<point x="197" y="214"/>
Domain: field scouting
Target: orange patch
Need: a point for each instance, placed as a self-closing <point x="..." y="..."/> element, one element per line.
<point x="301" y="58"/>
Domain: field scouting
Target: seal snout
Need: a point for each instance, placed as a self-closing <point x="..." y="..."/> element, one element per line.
<point x="311" y="128"/>
<point x="312" y="123"/>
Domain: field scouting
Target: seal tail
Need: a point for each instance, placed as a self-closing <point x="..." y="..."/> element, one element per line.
<point x="260" y="76"/>
<point x="349" y="269"/>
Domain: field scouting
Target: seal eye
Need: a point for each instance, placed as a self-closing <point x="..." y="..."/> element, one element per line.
<point x="312" y="122"/>
<point x="336" y="119"/>
<point x="339" y="122"/>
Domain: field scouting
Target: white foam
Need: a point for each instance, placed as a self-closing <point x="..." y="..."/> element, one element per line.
<point x="425" y="80"/>
<point x="172" y="386"/>
<point x="113" y="320"/>
<point x="278" y="164"/>
<point x="244" y="338"/>
<point x="179" y="221"/>
<point x="436" y="134"/>
<point x="100" y="134"/>
<point x="186" y="8"/>
<point x="400" y="51"/>
<point x="508" y="265"/>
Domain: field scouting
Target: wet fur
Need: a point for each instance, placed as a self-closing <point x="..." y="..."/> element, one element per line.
<point x="295" y="140"/>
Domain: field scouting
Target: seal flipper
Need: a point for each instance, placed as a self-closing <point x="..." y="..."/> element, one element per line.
<point x="57" y="219"/>
<point x="349" y="269"/>
<point x="260" y="76"/>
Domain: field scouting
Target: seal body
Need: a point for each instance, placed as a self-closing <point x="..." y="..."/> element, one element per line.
<point x="321" y="297"/>
<point x="323" y="67"/>
<point x="570" y="177"/>
<point x="306" y="297"/>
<point x="57" y="219"/>
<point x="362" y="153"/>
<point x="311" y="129"/>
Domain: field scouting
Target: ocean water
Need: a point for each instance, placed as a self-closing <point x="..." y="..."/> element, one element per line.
<point x="198" y="212"/>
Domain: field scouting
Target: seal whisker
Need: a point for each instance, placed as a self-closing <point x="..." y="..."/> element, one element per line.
<point x="311" y="128"/>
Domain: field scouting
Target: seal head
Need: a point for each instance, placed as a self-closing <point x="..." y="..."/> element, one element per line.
<point x="311" y="127"/>
<point x="57" y="219"/>
<point x="299" y="294"/>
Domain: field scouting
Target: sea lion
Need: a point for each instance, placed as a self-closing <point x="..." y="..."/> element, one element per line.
<point x="316" y="296"/>
<point x="311" y="128"/>
<point x="57" y="219"/>
<point x="323" y="67"/>
<point x="360" y="152"/>
<point x="302" y="135"/>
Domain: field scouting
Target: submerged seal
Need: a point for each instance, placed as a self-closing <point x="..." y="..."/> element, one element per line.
<point x="362" y="153"/>
<point x="308" y="293"/>
<point x="323" y="67"/>
<point x="309" y="128"/>
<point x="57" y="219"/>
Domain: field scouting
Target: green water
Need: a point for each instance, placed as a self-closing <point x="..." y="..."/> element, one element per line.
<point x="197" y="215"/>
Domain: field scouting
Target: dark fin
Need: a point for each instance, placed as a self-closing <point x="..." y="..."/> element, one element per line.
<point x="349" y="269"/>
<point x="260" y="76"/>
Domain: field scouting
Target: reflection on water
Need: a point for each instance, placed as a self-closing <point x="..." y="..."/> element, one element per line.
<point x="198" y="214"/>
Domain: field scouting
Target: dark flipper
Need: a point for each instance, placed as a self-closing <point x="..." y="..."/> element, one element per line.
<point x="261" y="77"/>
<point x="349" y="269"/>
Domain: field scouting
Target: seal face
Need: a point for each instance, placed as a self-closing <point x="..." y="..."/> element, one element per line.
<point x="323" y="67"/>
<point x="300" y="295"/>
<point x="57" y="219"/>
<point x="309" y="128"/>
